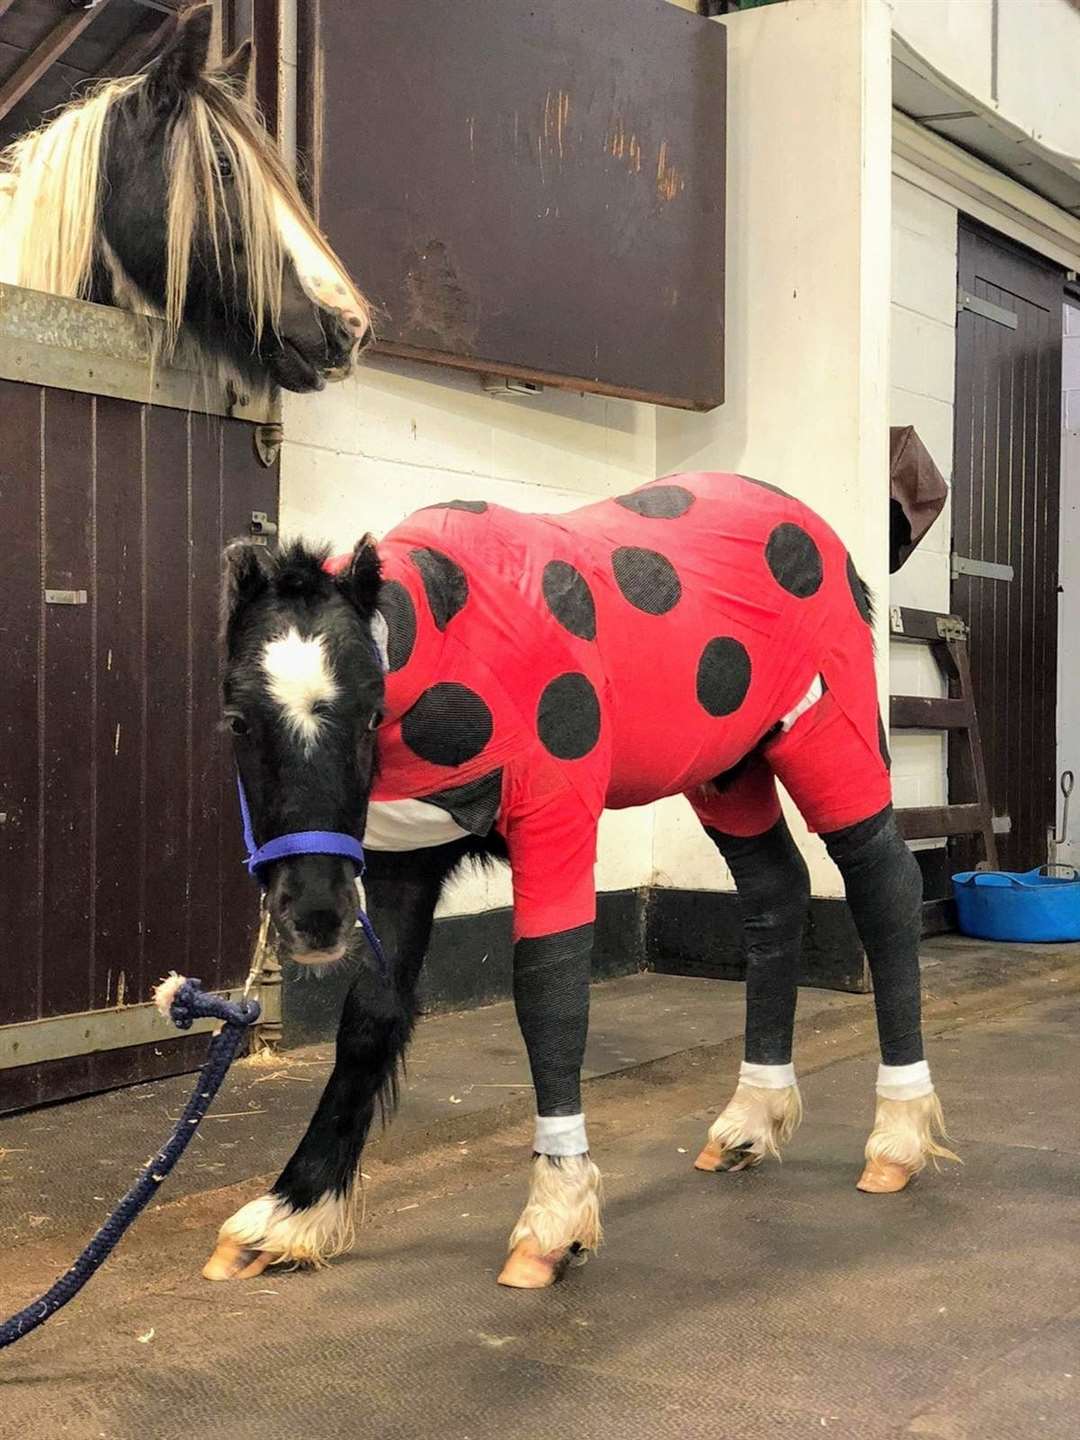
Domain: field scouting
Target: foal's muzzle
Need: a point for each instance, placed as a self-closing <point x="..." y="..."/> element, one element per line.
<point x="313" y="902"/>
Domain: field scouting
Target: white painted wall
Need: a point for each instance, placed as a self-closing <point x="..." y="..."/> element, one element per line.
<point x="807" y="319"/>
<point x="364" y="454"/>
<point x="922" y="362"/>
<point x="1032" y="81"/>
<point x="1069" y="574"/>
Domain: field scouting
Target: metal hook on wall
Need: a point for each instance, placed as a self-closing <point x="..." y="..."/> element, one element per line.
<point x="1066" y="790"/>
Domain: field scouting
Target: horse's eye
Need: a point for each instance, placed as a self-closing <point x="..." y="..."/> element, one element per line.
<point x="224" y="165"/>
<point x="238" y="725"/>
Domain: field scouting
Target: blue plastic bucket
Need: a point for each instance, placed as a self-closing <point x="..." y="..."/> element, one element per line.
<point x="1036" y="905"/>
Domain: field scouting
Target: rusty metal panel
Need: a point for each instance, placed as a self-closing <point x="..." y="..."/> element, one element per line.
<point x="120" y="844"/>
<point x="530" y="190"/>
<point x="1005" y="511"/>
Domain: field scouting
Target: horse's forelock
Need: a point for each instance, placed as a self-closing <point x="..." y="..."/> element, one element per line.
<point x="299" y="572"/>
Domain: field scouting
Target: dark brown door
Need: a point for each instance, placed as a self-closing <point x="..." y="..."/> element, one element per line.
<point x="120" y="848"/>
<point x="1005" y="515"/>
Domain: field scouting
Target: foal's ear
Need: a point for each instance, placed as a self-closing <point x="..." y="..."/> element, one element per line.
<point x="237" y="68"/>
<point x="360" y="580"/>
<point x="247" y="576"/>
<point x="177" y="69"/>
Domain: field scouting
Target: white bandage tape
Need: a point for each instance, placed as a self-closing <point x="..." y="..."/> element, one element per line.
<point x="904" y="1082"/>
<point x="767" y="1077"/>
<point x="560" y="1135"/>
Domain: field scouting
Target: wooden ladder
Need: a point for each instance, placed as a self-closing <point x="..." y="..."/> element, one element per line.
<point x="969" y="810"/>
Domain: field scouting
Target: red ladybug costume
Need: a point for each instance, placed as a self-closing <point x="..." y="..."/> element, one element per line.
<point x="631" y="649"/>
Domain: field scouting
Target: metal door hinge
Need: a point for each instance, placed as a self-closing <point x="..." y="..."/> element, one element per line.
<point x="951" y="627"/>
<point x="987" y="309"/>
<point x="981" y="569"/>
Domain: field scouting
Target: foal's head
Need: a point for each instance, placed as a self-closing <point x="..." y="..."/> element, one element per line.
<point x="163" y="193"/>
<point x="303" y="694"/>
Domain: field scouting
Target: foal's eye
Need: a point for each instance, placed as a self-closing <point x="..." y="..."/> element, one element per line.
<point x="238" y="725"/>
<point x="224" y="165"/>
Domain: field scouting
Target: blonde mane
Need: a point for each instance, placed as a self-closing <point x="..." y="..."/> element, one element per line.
<point x="50" y="206"/>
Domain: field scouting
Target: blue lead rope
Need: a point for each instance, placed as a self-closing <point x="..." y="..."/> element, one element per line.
<point x="189" y="1004"/>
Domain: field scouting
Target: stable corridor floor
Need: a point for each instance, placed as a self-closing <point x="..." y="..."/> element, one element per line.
<point x="776" y="1303"/>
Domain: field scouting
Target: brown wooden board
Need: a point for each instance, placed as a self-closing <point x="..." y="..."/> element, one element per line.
<point x="530" y="190"/>
<point x="1005" y="510"/>
<point x="120" y="847"/>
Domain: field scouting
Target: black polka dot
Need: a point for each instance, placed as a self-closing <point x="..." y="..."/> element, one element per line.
<point x="570" y="599"/>
<point x="864" y="601"/>
<point x="646" y="579"/>
<point x="723" y="676"/>
<point x="883" y="742"/>
<point x="396" y="607"/>
<point x="764" y="485"/>
<point x="794" y="560"/>
<point x="659" y="502"/>
<point x="444" y="584"/>
<point x="568" y="717"/>
<point x="475" y="507"/>
<point x="448" y="725"/>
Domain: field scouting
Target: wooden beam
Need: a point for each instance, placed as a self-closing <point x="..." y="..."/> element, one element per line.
<point x="55" y="44"/>
<point x="918" y="712"/>
<point x="138" y="49"/>
<point x="932" y="822"/>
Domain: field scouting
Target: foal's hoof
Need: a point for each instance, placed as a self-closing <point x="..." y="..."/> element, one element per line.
<point x="883" y="1177"/>
<point x="231" y="1261"/>
<point x="735" y="1157"/>
<point x="527" y="1269"/>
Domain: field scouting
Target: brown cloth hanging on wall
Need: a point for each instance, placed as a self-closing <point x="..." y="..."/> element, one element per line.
<point x="917" y="492"/>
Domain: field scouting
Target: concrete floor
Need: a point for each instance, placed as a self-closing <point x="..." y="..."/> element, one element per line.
<point x="776" y="1303"/>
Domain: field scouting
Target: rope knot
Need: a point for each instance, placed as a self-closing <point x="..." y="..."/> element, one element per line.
<point x="184" y="1001"/>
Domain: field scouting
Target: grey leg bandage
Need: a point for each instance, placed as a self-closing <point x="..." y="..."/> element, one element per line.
<point x="774" y="890"/>
<point x="551" y="997"/>
<point x="884" y="890"/>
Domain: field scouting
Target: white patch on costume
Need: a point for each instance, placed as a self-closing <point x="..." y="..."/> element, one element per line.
<point x="294" y="1237"/>
<point x="563" y="1206"/>
<point x="408" y="825"/>
<point x="809" y="700"/>
<point x="380" y="634"/>
<point x="904" y="1082"/>
<point x="560" y="1135"/>
<point x="299" y="677"/>
<point x="323" y="281"/>
<point x="767" y="1077"/>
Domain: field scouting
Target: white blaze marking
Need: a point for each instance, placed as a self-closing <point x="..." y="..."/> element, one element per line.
<point x="322" y="279"/>
<point x="298" y="675"/>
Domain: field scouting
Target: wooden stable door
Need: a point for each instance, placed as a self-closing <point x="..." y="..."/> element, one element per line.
<point x="120" y="850"/>
<point x="1005" y="524"/>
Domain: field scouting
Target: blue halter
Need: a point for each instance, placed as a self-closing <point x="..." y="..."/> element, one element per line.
<point x="308" y="842"/>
